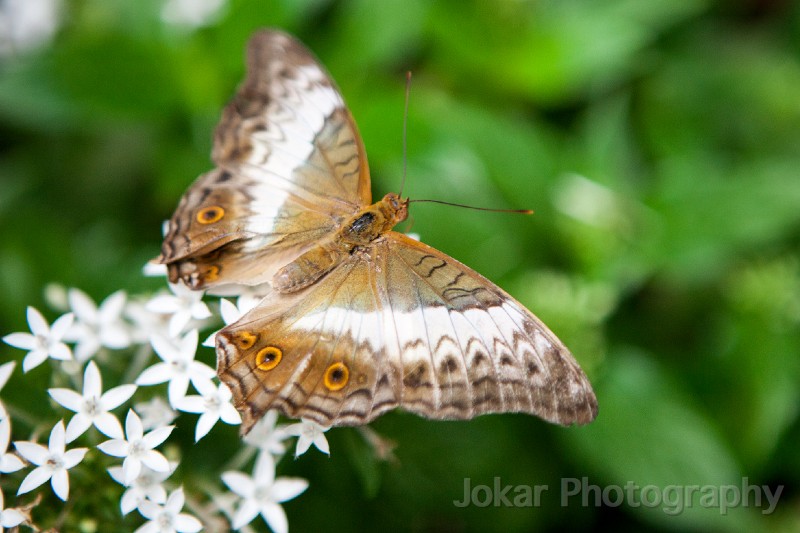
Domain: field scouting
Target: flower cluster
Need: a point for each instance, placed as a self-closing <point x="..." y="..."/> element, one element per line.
<point x="163" y="334"/>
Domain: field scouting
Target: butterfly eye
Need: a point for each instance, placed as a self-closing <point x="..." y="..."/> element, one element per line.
<point x="268" y="358"/>
<point x="336" y="376"/>
<point x="209" y="215"/>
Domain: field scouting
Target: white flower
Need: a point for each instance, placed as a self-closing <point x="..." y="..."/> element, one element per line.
<point x="43" y="341"/>
<point x="52" y="462"/>
<point x="97" y="326"/>
<point x="183" y="304"/>
<point x="178" y="366"/>
<point x="9" y="517"/>
<point x="94" y="406"/>
<point x="8" y="461"/>
<point x="137" y="448"/>
<point x="55" y="295"/>
<point x="144" y="323"/>
<point x="167" y="518"/>
<point x="155" y="413"/>
<point x="192" y="13"/>
<point x="266" y="436"/>
<point x="27" y="24"/>
<point x="213" y="403"/>
<point x="309" y="432"/>
<point x="148" y="485"/>
<point x="262" y="493"/>
<point x="230" y="314"/>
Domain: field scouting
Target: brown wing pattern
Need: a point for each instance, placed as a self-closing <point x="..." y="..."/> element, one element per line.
<point x="399" y="324"/>
<point x="291" y="166"/>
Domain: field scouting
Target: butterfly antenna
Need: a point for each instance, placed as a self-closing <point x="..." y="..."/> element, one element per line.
<point x="518" y="211"/>
<point x="405" y="132"/>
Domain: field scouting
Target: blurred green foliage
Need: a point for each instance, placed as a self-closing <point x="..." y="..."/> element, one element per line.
<point x="658" y="142"/>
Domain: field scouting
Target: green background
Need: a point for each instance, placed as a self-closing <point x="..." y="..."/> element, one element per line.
<point x="658" y="142"/>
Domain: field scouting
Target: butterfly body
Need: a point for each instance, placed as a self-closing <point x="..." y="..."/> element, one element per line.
<point x="359" y="319"/>
<point x="361" y="230"/>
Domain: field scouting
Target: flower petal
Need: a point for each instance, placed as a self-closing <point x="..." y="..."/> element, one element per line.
<point x="5" y="372"/>
<point x="58" y="439"/>
<point x="264" y="470"/>
<point x="24" y="341"/>
<point x="229" y="414"/>
<point x="116" y="474"/>
<point x="92" y="382"/>
<point x="67" y="398"/>
<point x="247" y="510"/>
<point x="164" y="347"/>
<point x="177" y="388"/>
<point x="155" y="461"/>
<point x="37" y="323"/>
<point x="275" y="517"/>
<point x="34" y="359"/>
<point x="186" y="523"/>
<point x="153" y="375"/>
<point x="178" y="322"/>
<point x="287" y="488"/>
<point x="38" y="476"/>
<point x="175" y="501"/>
<point x="60" y="484"/>
<point x="204" y="425"/>
<point x="112" y="306"/>
<point x="239" y="483"/>
<point x="10" y="463"/>
<point x="128" y="502"/>
<point x="61" y="326"/>
<point x="5" y="432"/>
<point x="157" y="436"/>
<point x="133" y="426"/>
<point x="163" y="303"/>
<point x="114" y="447"/>
<point x="61" y="352"/>
<point x="115" y="336"/>
<point x="108" y="425"/>
<point x="33" y="452"/>
<point x="191" y="404"/>
<point x="148" y="527"/>
<point x="88" y="345"/>
<point x="83" y="306"/>
<point x="131" y="467"/>
<point x="149" y="509"/>
<point x="12" y="518"/>
<point x="78" y="426"/>
<point x="115" y="397"/>
<point x="74" y="456"/>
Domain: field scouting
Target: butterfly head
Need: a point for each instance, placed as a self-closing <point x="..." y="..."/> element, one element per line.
<point x="395" y="207"/>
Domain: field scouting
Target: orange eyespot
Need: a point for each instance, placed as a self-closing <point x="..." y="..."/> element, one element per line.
<point x="245" y="340"/>
<point x="209" y="215"/>
<point x="268" y="358"/>
<point x="336" y="376"/>
<point x="212" y="274"/>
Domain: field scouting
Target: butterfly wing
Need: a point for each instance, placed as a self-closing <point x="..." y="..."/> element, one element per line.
<point x="290" y="167"/>
<point x="400" y="324"/>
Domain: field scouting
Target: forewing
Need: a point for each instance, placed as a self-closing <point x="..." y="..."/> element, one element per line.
<point x="291" y="166"/>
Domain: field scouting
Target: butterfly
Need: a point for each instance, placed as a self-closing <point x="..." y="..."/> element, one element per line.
<point x="357" y="319"/>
